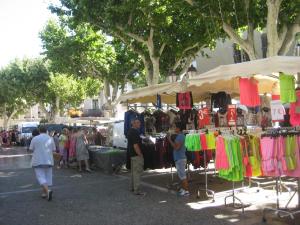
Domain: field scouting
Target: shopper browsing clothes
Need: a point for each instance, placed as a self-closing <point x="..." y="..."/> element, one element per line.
<point x="180" y="159"/>
<point x="43" y="147"/>
<point x="137" y="159"/>
<point x="63" y="148"/>
<point x="82" y="153"/>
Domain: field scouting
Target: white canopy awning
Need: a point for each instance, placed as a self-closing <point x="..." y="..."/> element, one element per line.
<point x="226" y="77"/>
<point x="223" y="78"/>
<point x="267" y="66"/>
<point x="148" y="94"/>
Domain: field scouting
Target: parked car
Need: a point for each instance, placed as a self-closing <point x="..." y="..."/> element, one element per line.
<point x="54" y="127"/>
<point x="25" y="132"/>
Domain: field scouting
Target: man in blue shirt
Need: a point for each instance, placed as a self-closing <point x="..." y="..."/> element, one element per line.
<point x="180" y="159"/>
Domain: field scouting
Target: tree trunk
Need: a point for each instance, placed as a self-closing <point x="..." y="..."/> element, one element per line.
<point x="274" y="43"/>
<point x="44" y="110"/>
<point x="186" y="65"/>
<point x="7" y="118"/>
<point x="246" y="45"/>
<point x="148" y="70"/>
<point x="115" y="92"/>
<point x="56" y="111"/>
<point x="288" y="35"/>
<point x="156" y="72"/>
<point x="5" y="123"/>
<point x="107" y="91"/>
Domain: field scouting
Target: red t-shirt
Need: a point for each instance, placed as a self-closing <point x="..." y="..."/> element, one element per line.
<point x="249" y="92"/>
<point x="295" y="111"/>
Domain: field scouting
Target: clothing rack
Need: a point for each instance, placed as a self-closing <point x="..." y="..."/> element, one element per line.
<point x="234" y="198"/>
<point x="209" y="193"/>
<point x="233" y="194"/>
<point x="283" y="212"/>
<point x="172" y="184"/>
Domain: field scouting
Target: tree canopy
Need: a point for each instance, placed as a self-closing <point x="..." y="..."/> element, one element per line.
<point x="160" y="32"/>
<point x="279" y="19"/>
<point x="66" y="91"/>
<point x="22" y="83"/>
<point x="83" y="52"/>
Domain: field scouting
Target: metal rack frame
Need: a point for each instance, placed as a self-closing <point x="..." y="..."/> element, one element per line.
<point x="209" y="193"/>
<point x="283" y="212"/>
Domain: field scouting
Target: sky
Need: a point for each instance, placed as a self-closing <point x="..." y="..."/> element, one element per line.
<point x="20" y="24"/>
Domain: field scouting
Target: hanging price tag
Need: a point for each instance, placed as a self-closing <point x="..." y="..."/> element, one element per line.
<point x="203" y="117"/>
<point x="231" y="115"/>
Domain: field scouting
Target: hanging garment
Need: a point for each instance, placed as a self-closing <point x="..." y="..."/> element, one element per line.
<point x="287" y="88"/>
<point x="265" y="101"/>
<point x="128" y="117"/>
<point x="222" y="118"/>
<point x="210" y="140"/>
<point x="286" y="119"/>
<point x="245" y="155"/>
<point x="184" y="100"/>
<point x="290" y="152"/>
<point x="254" y="156"/>
<point x="234" y="154"/>
<point x="252" y="117"/>
<point x="277" y="111"/>
<point x="221" y="156"/>
<point x="149" y="124"/>
<point x="240" y="118"/>
<point x="162" y="121"/>
<point x="269" y="163"/>
<point x="295" y="172"/>
<point x="249" y="95"/>
<point x="295" y="111"/>
<point x="265" y="117"/>
<point x="203" y="141"/>
<point x="220" y="100"/>
<point x="185" y="117"/>
<point x="275" y="159"/>
<point x="192" y="142"/>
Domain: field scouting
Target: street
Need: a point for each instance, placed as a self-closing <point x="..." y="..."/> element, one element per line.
<point x="98" y="198"/>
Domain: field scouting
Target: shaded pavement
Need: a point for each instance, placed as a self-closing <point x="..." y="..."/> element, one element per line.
<point x="97" y="198"/>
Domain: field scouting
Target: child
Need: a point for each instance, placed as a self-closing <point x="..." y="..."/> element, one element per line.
<point x="63" y="150"/>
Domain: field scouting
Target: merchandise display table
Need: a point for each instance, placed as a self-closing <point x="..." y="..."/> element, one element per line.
<point x="107" y="158"/>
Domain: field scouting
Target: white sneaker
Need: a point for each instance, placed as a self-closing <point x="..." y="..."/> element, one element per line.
<point x="184" y="193"/>
<point x="181" y="190"/>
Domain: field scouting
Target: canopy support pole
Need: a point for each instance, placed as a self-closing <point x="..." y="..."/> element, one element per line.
<point x="298" y="80"/>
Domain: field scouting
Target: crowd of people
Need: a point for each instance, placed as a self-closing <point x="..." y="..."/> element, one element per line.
<point x="8" y="138"/>
<point x="71" y="145"/>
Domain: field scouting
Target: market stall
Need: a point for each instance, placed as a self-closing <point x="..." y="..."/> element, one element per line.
<point x="265" y="94"/>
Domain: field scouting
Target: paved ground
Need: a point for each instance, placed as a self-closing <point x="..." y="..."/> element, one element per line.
<point x="97" y="198"/>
